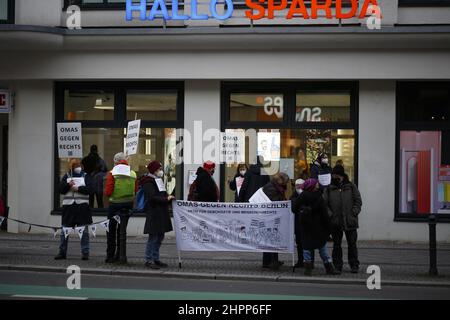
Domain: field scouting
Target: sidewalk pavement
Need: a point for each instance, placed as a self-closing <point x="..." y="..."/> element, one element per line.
<point x="401" y="263"/>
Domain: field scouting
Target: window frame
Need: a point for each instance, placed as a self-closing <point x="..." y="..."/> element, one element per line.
<point x="402" y="125"/>
<point x="10" y="17"/>
<point x="120" y="117"/>
<point x="424" y="3"/>
<point x="290" y="88"/>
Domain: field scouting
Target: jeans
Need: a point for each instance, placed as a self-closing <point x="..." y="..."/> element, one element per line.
<point x="116" y="246"/>
<point x="153" y="245"/>
<point x="84" y="243"/>
<point x="309" y="254"/>
<point x="352" y="237"/>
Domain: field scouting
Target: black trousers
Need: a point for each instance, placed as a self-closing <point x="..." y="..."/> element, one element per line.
<point x="352" y="238"/>
<point x="116" y="246"/>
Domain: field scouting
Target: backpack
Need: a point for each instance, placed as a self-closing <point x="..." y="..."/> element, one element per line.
<point x="140" y="200"/>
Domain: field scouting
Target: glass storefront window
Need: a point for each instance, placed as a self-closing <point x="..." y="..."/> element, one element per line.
<point x="268" y="106"/>
<point x="319" y="106"/>
<point x="154" y="144"/>
<point x="424" y="172"/>
<point x="148" y="105"/>
<point x="296" y="150"/>
<point x="82" y="105"/>
<point x="425" y="102"/>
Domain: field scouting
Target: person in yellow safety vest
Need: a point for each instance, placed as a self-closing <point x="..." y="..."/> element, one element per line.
<point x="120" y="188"/>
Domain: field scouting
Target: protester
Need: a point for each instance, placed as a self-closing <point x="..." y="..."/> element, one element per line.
<point x="340" y="162"/>
<point x="158" y="221"/>
<point x="236" y="183"/>
<point x="204" y="188"/>
<point x="344" y="205"/>
<point x="275" y="190"/>
<point x="321" y="170"/>
<point x="98" y="182"/>
<point x="120" y="188"/>
<point x="298" y="190"/>
<point x="253" y="180"/>
<point x="76" y="187"/>
<point x="314" y="225"/>
<point x="94" y="164"/>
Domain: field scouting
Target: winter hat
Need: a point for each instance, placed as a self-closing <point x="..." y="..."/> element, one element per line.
<point x="339" y="170"/>
<point x="209" y="165"/>
<point x="310" y="184"/>
<point x="119" y="157"/>
<point x="299" y="183"/>
<point x="153" y="166"/>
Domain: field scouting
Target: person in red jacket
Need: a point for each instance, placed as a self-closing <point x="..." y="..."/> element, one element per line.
<point x="120" y="188"/>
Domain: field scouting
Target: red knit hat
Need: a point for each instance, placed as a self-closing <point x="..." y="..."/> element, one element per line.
<point x="209" y="165"/>
<point x="153" y="166"/>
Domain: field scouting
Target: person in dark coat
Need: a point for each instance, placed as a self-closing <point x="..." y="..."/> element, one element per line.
<point x="343" y="200"/>
<point x="321" y="167"/>
<point x="76" y="187"/>
<point x="204" y="188"/>
<point x="253" y="180"/>
<point x="314" y="225"/>
<point x="275" y="190"/>
<point x="233" y="184"/>
<point x="298" y="190"/>
<point x="93" y="165"/>
<point x="157" y="221"/>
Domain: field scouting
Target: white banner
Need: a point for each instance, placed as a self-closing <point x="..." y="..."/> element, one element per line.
<point x="218" y="226"/>
<point x="117" y="218"/>
<point x="105" y="224"/>
<point x="67" y="231"/>
<point x="69" y="140"/>
<point x="132" y="139"/>
<point x="79" y="231"/>
<point x="93" y="228"/>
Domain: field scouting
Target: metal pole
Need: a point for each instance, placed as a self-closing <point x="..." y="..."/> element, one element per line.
<point x="433" y="257"/>
<point x="179" y="259"/>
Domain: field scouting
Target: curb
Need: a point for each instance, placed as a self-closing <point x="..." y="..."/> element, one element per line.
<point x="223" y="276"/>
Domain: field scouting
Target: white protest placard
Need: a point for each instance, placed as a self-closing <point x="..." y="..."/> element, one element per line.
<point x="192" y="175"/>
<point x="160" y="184"/>
<point x="121" y="170"/>
<point x="5" y="101"/>
<point x="219" y="226"/>
<point x="69" y="140"/>
<point x="132" y="139"/>
<point x="78" y="182"/>
<point x="325" y="179"/>
<point x="232" y="146"/>
<point x="239" y="182"/>
<point x="259" y="197"/>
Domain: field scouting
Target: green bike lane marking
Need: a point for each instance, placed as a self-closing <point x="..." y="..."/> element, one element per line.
<point x="139" y="294"/>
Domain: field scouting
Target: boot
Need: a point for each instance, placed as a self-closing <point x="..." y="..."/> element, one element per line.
<point x="299" y="264"/>
<point x="308" y="268"/>
<point x="330" y="269"/>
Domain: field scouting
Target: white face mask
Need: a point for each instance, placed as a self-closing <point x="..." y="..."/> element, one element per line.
<point x="325" y="161"/>
<point x="299" y="191"/>
<point x="160" y="174"/>
<point x="242" y="172"/>
<point x="77" y="170"/>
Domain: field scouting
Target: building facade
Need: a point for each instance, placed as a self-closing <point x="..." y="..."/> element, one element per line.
<point x="378" y="99"/>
